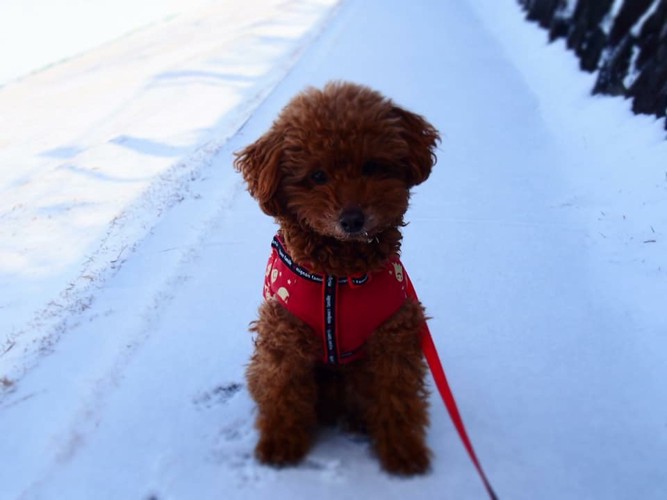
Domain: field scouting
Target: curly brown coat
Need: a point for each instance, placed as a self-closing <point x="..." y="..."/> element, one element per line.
<point x="335" y="170"/>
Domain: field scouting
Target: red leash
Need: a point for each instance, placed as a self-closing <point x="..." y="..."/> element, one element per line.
<point x="434" y="363"/>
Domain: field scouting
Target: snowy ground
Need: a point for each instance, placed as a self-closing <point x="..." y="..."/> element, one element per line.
<point x="131" y="258"/>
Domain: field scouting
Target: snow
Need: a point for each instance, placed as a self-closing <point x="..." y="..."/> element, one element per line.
<point x="131" y="257"/>
<point x="637" y="28"/>
<point x="47" y="32"/>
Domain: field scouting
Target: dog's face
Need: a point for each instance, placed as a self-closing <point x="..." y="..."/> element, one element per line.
<point x="340" y="162"/>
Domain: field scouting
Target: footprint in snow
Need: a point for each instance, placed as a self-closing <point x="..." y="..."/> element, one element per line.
<point x="219" y="395"/>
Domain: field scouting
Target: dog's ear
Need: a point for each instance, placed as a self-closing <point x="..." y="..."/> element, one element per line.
<point x="259" y="163"/>
<point x="422" y="139"/>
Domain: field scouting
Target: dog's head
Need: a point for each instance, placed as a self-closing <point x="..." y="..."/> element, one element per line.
<point x="340" y="161"/>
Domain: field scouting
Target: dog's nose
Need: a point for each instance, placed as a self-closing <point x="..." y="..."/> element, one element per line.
<point x="352" y="220"/>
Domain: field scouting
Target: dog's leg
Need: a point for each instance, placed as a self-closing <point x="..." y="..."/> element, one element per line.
<point x="397" y="415"/>
<point x="281" y="379"/>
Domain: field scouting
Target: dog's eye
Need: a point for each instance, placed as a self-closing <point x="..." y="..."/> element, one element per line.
<point x="371" y="168"/>
<point x="319" y="177"/>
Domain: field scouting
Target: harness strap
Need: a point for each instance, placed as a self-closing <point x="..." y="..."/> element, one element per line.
<point x="440" y="379"/>
<point x="306" y="274"/>
<point x="331" y="347"/>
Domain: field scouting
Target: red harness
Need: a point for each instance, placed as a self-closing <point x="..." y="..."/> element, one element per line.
<point x="344" y="312"/>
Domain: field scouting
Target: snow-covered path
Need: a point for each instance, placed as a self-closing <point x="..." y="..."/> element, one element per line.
<point x="537" y="246"/>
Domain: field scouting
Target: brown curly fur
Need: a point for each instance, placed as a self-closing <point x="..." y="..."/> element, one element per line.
<point x="345" y="147"/>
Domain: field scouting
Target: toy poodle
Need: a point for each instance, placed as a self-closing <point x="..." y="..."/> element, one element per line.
<point x="337" y="340"/>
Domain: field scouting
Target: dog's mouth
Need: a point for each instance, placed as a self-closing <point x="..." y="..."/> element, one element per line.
<point x="363" y="237"/>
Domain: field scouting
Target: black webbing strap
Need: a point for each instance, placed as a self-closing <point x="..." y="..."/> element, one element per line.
<point x="330" y="286"/>
<point x="305" y="273"/>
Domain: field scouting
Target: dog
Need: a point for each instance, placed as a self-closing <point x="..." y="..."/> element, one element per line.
<point x="337" y="339"/>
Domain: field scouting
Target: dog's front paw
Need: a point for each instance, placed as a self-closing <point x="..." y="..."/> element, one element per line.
<point x="281" y="450"/>
<point x="405" y="459"/>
